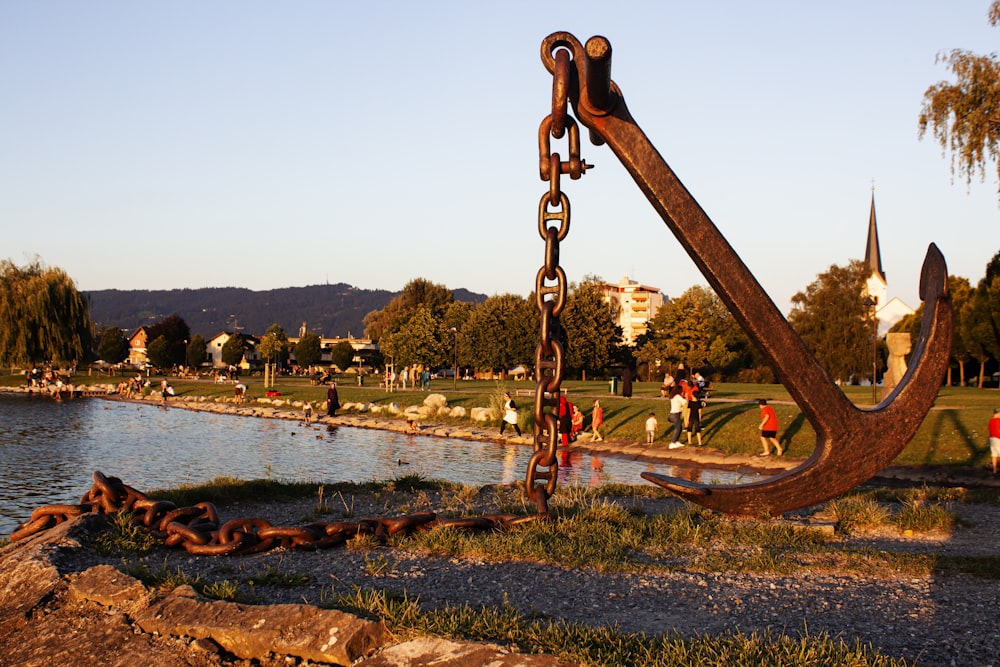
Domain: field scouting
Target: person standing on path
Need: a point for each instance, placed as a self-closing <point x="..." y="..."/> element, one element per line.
<point x="596" y="420"/>
<point x="995" y="439"/>
<point x="768" y="428"/>
<point x="676" y="416"/>
<point x="509" y="414"/>
<point x="332" y="400"/>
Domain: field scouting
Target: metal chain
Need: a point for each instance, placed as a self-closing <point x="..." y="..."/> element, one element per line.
<point x="198" y="531"/>
<point x="550" y="281"/>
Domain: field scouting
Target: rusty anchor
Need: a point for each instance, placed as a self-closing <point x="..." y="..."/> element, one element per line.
<point x="852" y="444"/>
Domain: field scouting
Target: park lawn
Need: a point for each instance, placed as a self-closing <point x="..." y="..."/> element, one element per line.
<point x="953" y="433"/>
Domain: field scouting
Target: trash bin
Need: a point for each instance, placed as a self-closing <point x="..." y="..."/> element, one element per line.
<point x="613" y="385"/>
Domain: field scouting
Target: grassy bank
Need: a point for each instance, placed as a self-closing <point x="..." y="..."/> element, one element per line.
<point x="953" y="433"/>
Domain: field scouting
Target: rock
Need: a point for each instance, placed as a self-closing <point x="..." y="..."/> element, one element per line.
<point x="107" y="586"/>
<point x="436" y="401"/>
<point x="254" y="632"/>
<point x="445" y="653"/>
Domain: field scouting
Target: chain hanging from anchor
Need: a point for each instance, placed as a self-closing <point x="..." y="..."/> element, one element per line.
<point x="550" y="282"/>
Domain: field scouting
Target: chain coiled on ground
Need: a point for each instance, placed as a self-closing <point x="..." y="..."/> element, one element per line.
<point x="197" y="528"/>
<point x="550" y="281"/>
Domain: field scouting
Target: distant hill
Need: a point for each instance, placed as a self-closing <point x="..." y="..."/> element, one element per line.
<point x="327" y="310"/>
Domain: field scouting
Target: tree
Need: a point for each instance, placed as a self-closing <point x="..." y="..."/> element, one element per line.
<point x="696" y="329"/>
<point x="196" y="351"/>
<point x="964" y="117"/>
<point x="308" y="350"/>
<point x="233" y="350"/>
<point x="834" y="323"/>
<point x="501" y="333"/>
<point x="158" y="352"/>
<point x="342" y="355"/>
<point x="177" y="333"/>
<point x="418" y="291"/>
<point x="43" y="317"/>
<point x="113" y="346"/>
<point x="981" y="319"/>
<point x="274" y="345"/>
<point x="591" y="327"/>
<point x="416" y="341"/>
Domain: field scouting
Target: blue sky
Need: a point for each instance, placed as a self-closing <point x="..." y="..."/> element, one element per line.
<point x="266" y="145"/>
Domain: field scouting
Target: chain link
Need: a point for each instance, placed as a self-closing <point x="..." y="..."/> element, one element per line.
<point x="550" y="281"/>
<point x="198" y="530"/>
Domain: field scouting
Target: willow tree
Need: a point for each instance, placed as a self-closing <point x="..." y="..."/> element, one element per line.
<point x="964" y="116"/>
<point x="43" y="317"/>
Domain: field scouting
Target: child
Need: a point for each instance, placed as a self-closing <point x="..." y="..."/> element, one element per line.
<point x="596" y="420"/>
<point x="651" y="428"/>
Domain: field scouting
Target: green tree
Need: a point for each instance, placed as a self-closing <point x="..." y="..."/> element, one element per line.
<point x="964" y="116"/>
<point x="43" y="317"/>
<point x="233" y="350"/>
<point x="500" y="333"/>
<point x="158" y="352"/>
<point x="981" y="323"/>
<point x="274" y="345"/>
<point x="591" y="327"/>
<point x="342" y="355"/>
<point x="177" y="333"/>
<point x="832" y="319"/>
<point x="197" y="349"/>
<point x="416" y="341"/>
<point x="418" y="291"/>
<point x="308" y="350"/>
<point x="113" y="346"/>
<point x="696" y="329"/>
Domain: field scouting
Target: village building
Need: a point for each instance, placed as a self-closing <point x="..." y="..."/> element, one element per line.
<point x="637" y="305"/>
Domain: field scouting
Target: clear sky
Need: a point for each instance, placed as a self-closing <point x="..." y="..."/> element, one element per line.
<point x="275" y="144"/>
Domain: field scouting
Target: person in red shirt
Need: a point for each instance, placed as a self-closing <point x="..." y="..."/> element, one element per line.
<point x="995" y="439"/>
<point x="768" y="428"/>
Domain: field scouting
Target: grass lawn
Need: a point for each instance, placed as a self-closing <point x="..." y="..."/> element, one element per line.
<point x="953" y="433"/>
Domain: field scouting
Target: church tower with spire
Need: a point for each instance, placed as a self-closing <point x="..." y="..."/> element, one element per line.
<point x="875" y="284"/>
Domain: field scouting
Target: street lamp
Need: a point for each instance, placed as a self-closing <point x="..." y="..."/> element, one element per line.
<point x="454" y="376"/>
<point x="872" y="302"/>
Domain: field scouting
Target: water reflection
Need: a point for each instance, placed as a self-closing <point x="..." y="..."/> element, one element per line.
<point x="50" y="449"/>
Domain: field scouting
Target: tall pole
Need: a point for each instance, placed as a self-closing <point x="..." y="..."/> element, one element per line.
<point x="872" y="302"/>
<point x="454" y="374"/>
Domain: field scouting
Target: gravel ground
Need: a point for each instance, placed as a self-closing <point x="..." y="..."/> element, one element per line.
<point x="932" y="620"/>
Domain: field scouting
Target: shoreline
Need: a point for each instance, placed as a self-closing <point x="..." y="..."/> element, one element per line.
<point x="690" y="457"/>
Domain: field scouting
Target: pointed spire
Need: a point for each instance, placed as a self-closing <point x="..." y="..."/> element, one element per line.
<point x="873" y="257"/>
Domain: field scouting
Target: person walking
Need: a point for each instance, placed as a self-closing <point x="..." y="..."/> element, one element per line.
<point x="597" y="420"/>
<point x="627" y="382"/>
<point x="332" y="400"/>
<point x="676" y="416"/>
<point x="994" y="426"/>
<point x="768" y="428"/>
<point x="509" y="415"/>
<point x="651" y="426"/>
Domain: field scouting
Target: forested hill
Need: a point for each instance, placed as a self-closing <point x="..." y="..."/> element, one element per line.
<point x="327" y="310"/>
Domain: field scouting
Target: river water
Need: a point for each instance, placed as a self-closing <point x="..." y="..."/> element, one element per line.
<point x="49" y="450"/>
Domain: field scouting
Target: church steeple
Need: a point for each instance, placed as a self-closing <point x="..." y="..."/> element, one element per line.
<point x="875" y="284"/>
<point x="873" y="257"/>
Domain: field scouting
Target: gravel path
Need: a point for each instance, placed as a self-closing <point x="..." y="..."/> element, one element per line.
<point x="936" y="620"/>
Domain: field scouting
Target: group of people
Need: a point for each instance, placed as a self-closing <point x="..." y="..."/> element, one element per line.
<point x="686" y="403"/>
<point x="570" y="419"/>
